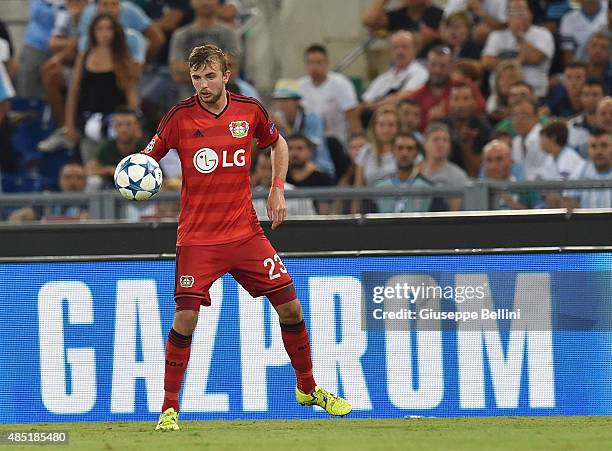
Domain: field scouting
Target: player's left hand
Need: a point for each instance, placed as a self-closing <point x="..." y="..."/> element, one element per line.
<point x="276" y="208"/>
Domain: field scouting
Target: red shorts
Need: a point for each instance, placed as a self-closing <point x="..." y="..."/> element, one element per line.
<point x="253" y="262"/>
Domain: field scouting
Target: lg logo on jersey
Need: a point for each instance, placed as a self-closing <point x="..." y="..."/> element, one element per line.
<point x="206" y="160"/>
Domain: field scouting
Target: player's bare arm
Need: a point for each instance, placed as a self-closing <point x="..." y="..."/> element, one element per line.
<point x="277" y="209"/>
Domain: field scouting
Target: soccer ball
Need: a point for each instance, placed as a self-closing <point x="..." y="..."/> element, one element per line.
<point x="138" y="177"/>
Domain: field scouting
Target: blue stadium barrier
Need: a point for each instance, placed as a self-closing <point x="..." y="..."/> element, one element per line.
<point x="84" y="341"/>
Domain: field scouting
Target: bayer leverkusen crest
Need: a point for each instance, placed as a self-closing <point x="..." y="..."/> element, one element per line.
<point x="239" y="129"/>
<point x="186" y="281"/>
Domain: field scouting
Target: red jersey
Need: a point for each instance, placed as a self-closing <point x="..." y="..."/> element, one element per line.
<point x="214" y="150"/>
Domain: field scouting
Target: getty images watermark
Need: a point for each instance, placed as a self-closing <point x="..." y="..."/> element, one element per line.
<point x="403" y="302"/>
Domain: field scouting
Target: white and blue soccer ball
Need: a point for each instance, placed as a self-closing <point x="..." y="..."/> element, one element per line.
<point x="138" y="177"/>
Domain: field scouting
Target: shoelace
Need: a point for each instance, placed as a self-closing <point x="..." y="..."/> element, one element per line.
<point x="327" y="397"/>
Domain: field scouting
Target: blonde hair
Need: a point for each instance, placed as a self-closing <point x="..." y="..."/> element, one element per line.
<point x="375" y="143"/>
<point x="205" y="55"/>
<point x="508" y="66"/>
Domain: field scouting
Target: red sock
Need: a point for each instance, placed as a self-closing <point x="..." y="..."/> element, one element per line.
<point x="297" y="345"/>
<point x="178" y="348"/>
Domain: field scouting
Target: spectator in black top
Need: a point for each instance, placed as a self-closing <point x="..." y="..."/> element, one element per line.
<point x="169" y="15"/>
<point x="599" y="58"/>
<point x="157" y="88"/>
<point x="102" y="82"/>
<point x="564" y="99"/>
<point x="455" y="31"/>
<point x="551" y="20"/>
<point x="418" y="16"/>
<point x="7" y="91"/>
<point x="469" y="130"/>
<point x="302" y="170"/>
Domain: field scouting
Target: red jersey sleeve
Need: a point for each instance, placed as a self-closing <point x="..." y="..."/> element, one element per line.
<point x="165" y="138"/>
<point x="266" y="132"/>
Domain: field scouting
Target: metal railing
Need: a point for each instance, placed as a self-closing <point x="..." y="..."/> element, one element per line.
<point x="476" y="196"/>
<point x="354" y="53"/>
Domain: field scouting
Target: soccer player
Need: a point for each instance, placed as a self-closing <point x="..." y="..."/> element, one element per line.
<point x="218" y="230"/>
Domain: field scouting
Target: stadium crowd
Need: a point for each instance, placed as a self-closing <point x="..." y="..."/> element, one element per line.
<point x="480" y="89"/>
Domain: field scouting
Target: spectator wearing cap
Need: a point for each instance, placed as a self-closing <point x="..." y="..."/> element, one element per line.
<point x="489" y="15"/>
<point x="580" y="127"/>
<point x="291" y="118"/>
<point x="418" y="16"/>
<point x="578" y="24"/>
<point x="533" y="46"/>
<point x="455" y="32"/>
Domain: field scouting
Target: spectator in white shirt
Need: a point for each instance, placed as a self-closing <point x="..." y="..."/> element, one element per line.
<point x="330" y="94"/>
<point x="562" y="160"/>
<point x="578" y="24"/>
<point x="599" y="167"/>
<point x="598" y="57"/>
<point x="375" y="161"/>
<point x="531" y="45"/>
<point x="405" y="74"/>
<point x="580" y="126"/>
<point x="604" y="114"/>
<point x="526" y="147"/>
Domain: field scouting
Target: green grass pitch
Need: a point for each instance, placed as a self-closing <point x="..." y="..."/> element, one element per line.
<point x="491" y="434"/>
